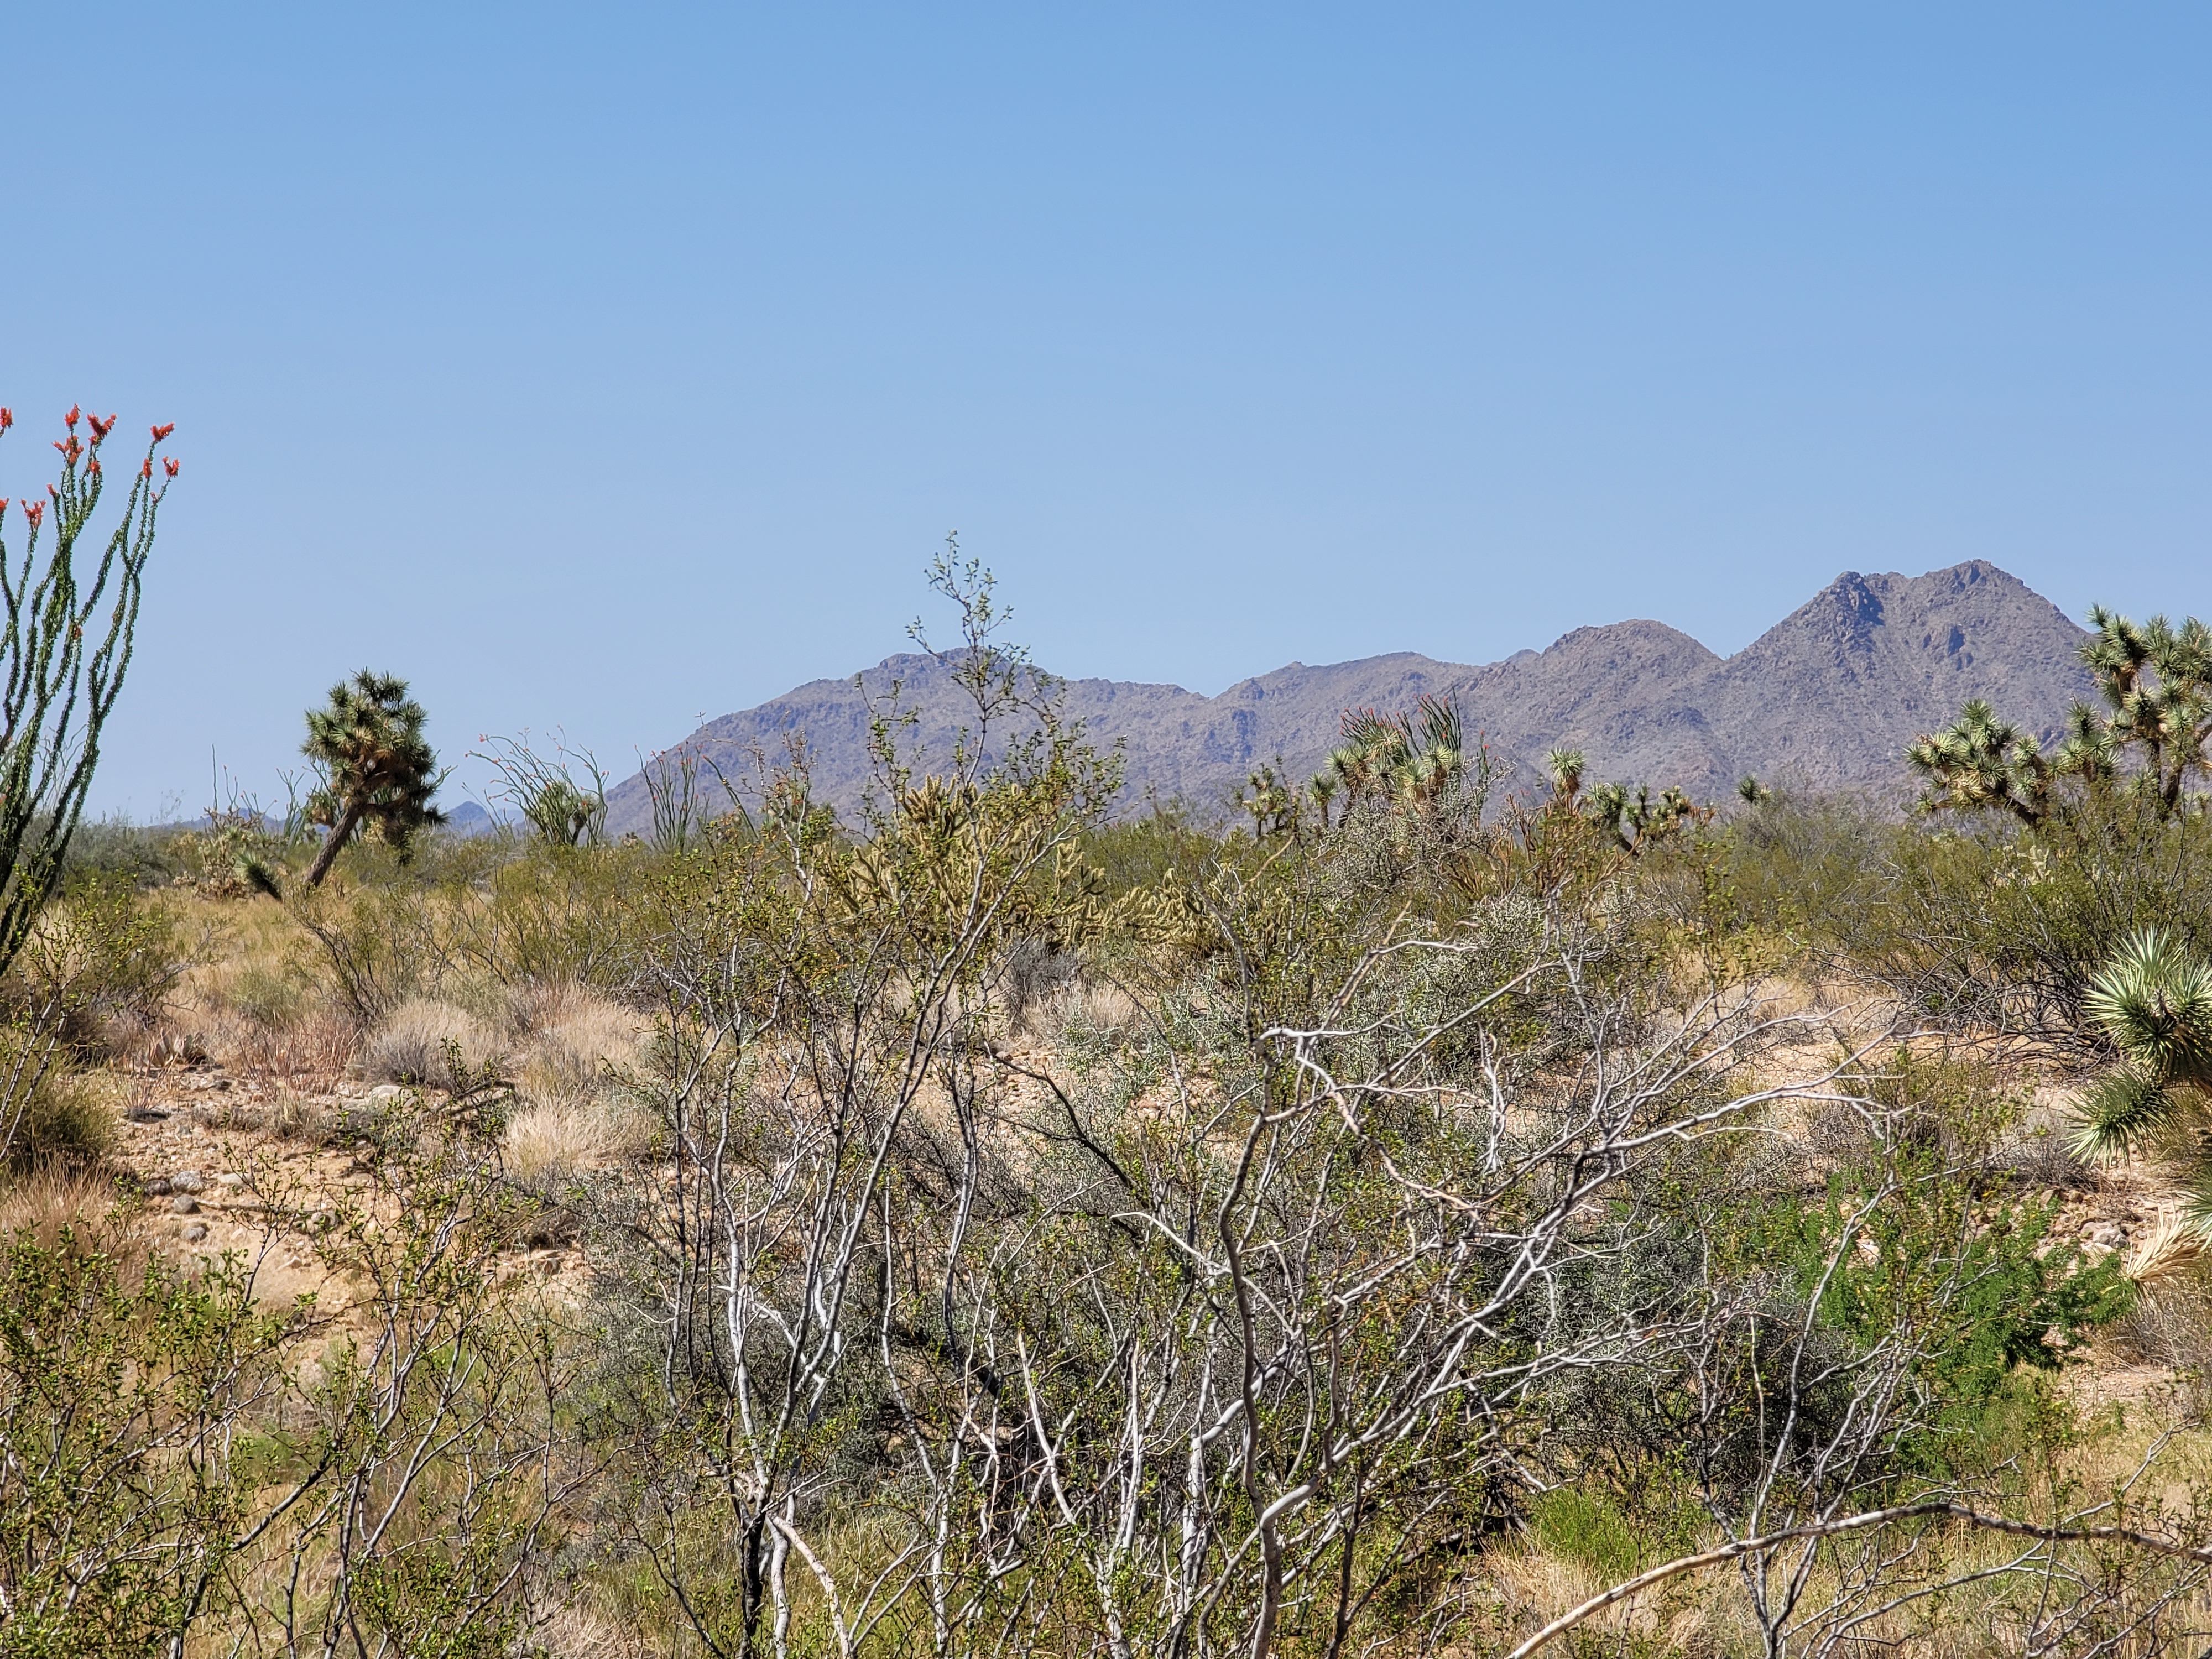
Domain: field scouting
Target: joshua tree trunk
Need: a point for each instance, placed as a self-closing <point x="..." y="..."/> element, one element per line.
<point x="341" y="833"/>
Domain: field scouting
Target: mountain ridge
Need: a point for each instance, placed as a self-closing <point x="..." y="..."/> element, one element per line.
<point x="1828" y="697"/>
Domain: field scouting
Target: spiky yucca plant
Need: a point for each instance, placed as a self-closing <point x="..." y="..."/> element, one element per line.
<point x="1407" y="760"/>
<point x="2154" y="999"/>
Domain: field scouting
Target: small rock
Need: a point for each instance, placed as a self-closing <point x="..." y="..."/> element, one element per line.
<point x="320" y="1219"/>
<point x="230" y="1180"/>
<point x="184" y="1205"/>
<point x="385" y="1093"/>
<point x="157" y="1188"/>
<point x="187" y="1181"/>
<point x="195" y="1233"/>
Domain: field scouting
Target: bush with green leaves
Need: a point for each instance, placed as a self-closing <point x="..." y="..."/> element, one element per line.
<point x="132" y="1394"/>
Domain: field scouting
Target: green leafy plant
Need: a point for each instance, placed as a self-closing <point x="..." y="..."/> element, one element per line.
<point x="127" y="1392"/>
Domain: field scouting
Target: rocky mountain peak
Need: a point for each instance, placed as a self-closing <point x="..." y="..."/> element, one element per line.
<point x="1829" y="696"/>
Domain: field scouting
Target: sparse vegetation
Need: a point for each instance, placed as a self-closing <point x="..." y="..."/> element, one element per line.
<point x="1424" y="1219"/>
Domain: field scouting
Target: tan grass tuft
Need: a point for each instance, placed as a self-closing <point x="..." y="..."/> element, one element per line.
<point x="547" y="1139"/>
<point x="42" y="1203"/>
<point x="415" y="1041"/>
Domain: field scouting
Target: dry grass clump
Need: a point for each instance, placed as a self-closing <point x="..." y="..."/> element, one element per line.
<point x="571" y="1632"/>
<point x="40" y="1204"/>
<point x="566" y="1037"/>
<point x="2170" y="1325"/>
<point x="548" y="1139"/>
<point x="250" y="1000"/>
<point x="1096" y="1005"/>
<point x="570" y="1043"/>
<point x="419" y="1041"/>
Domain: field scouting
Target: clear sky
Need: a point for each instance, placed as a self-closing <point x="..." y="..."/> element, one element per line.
<point x="600" y="368"/>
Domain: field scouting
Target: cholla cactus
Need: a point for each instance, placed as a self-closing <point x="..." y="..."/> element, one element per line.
<point x="2154" y="999"/>
<point x="378" y="771"/>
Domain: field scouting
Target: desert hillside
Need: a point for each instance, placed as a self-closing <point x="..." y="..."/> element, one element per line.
<point x="1828" y="696"/>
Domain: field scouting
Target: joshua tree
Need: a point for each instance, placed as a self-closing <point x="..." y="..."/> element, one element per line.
<point x="1638" y="822"/>
<point x="378" y="769"/>
<point x="1978" y="762"/>
<point x="2156" y="683"/>
<point x="64" y="648"/>
<point x="2154" y="999"/>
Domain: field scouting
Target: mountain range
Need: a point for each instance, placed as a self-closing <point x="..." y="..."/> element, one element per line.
<point x="1827" y="697"/>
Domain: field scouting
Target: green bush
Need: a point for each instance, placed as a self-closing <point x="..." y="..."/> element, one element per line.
<point x="2003" y="928"/>
<point x="122" y="1387"/>
<point x="1614" y="1538"/>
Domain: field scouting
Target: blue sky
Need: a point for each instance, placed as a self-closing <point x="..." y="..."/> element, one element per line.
<point x="602" y="368"/>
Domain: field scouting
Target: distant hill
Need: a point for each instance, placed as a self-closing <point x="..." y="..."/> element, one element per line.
<point x="1828" y="696"/>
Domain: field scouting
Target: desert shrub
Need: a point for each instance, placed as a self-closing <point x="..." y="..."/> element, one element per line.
<point x="382" y="940"/>
<point x="1594" y="1528"/>
<point x="2002" y="927"/>
<point x="64" y="1117"/>
<point x="103" y="956"/>
<point x="266" y="994"/>
<point x="146" y="855"/>
<point x="1142" y="852"/>
<point x="1800" y="860"/>
<point x="548" y="915"/>
<point x="124" y="1384"/>
<point x="471" y="919"/>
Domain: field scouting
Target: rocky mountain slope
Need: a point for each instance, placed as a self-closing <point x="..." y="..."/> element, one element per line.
<point x="1827" y="697"/>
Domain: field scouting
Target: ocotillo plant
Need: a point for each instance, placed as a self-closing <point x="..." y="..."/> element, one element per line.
<point x="64" y="648"/>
